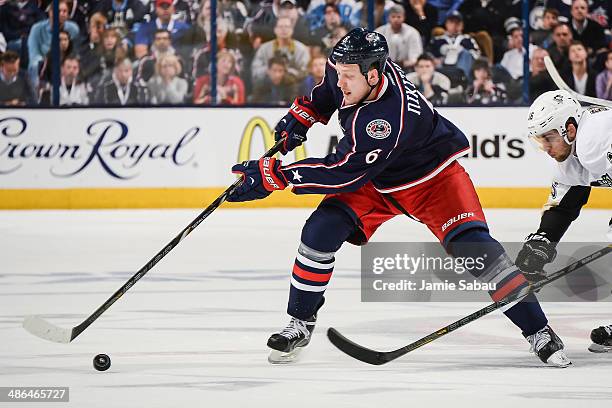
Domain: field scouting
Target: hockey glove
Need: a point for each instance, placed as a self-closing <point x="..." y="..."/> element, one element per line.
<point x="537" y="251"/>
<point x="294" y="125"/>
<point x="260" y="178"/>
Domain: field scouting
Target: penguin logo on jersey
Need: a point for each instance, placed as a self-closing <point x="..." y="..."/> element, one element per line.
<point x="610" y="157"/>
<point x="378" y="129"/>
<point x="553" y="190"/>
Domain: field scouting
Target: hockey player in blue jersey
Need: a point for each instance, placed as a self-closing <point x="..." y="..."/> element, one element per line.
<point x="398" y="156"/>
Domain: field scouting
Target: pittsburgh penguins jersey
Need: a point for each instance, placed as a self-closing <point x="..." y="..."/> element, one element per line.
<point x="589" y="165"/>
<point x="396" y="141"/>
<point x="591" y="160"/>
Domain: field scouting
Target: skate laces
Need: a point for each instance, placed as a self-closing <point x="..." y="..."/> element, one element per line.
<point x="295" y="328"/>
<point x="539" y="340"/>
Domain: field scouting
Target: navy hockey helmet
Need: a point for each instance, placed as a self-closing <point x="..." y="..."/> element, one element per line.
<point x="362" y="47"/>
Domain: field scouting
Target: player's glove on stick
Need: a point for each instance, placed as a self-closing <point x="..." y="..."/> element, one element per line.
<point x="261" y="177"/>
<point x="537" y="251"/>
<point x="294" y="125"/>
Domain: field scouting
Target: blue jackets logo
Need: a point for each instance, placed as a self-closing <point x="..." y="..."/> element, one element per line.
<point x="378" y="129"/>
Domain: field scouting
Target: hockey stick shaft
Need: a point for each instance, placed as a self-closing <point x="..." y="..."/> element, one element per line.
<point x="141" y="272"/>
<point x="381" y="357"/>
<point x="561" y="84"/>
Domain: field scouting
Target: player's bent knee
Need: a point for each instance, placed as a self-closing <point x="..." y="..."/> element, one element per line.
<point x="327" y="228"/>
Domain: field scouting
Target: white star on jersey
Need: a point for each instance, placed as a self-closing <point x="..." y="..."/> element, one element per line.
<point x="296" y="176"/>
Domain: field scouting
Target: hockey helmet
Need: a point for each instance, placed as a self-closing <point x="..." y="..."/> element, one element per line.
<point x="552" y="111"/>
<point x="362" y="47"/>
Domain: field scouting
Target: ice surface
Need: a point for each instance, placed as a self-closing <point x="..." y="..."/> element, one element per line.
<point x="192" y="332"/>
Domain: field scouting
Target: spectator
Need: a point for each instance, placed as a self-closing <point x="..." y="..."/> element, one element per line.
<point x="72" y="90"/>
<point x="488" y="16"/>
<point x="121" y="89"/>
<point x="331" y="21"/>
<point x="483" y="91"/>
<point x="122" y="15"/>
<point x="316" y="12"/>
<point x="235" y="13"/>
<point x="164" y="10"/>
<point x="87" y="51"/>
<point x="275" y="88"/>
<point x="301" y="31"/>
<point x="603" y="82"/>
<point x="295" y="53"/>
<point x="559" y="49"/>
<point x="405" y="44"/>
<point x="162" y="45"/>
<point x="15" y="89"/>
<point x="201" y="57"/>
<point x="539" y="80"/>
<point x="199" y="32"/>
<point x="334" y="37"/>
<point x="600" y="9"/>
<point x="453" y="48"/>
<point x="433" y="85"/>
<point x="513" y="59"/>
<point x="39" y="40"/>
<point x="185" y="11"/>
<point x="359" y="18"/>
<point x="230" y="88"/>
<point x="261" y="26"/>
<point x="585" y="30"/>
<point x="46" y="68"/>
<point x="421" y="15"/>
<point x="109" y="50"/>
<point x="580" y="77"/>
<point x="16" y="19"/>
<point x="543" y="37"/>
<point x="316" y="67"/>
<point x="445" y="7"/>
<point x="166" y="87"/>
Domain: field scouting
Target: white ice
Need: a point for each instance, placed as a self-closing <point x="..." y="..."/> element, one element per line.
<point x="192" y="332"/>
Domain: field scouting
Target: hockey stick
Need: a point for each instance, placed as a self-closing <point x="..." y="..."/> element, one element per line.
<point x="381" y="357"/>
<point x="48" y="331"/>
<point x="554" y="74"/>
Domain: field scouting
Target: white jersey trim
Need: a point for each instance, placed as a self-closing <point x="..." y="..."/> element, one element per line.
<point x="429" y="176"/>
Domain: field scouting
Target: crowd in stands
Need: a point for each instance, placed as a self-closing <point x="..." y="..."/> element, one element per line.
<point x="158" y="52"/>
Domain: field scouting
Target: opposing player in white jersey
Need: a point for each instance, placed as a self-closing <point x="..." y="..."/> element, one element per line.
<point x="580" y="140"/>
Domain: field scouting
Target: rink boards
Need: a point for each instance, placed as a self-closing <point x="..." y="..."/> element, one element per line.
<point x="173" y="158"/>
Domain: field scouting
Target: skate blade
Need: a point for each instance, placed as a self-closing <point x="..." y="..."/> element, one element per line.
<point x="279" y="357"/>
<point x="598" y="348"/>
<point x="559" y="359"/>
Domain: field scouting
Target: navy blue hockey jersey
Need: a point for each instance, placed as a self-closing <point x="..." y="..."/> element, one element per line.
<point x="396" y="141"/>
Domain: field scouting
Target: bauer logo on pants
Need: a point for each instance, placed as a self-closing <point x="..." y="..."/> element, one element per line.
<point x="378" y="129"/>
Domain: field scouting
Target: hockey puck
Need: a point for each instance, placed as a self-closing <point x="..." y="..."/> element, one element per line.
<point x="101" y="362"/>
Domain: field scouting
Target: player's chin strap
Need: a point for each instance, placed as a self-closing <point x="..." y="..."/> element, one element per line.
<point x="372" y="87"/>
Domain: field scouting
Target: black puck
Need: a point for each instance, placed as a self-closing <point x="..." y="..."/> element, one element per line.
<point x="101" y="362"/>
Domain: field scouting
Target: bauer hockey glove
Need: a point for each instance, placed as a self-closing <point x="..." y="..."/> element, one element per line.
<point x="260" y="178"/>
<point x="294" y="125"/>
<point x="537" y="251"/>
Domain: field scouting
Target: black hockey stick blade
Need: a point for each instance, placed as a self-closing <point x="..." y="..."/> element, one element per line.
<point x="48" y="331"/>
<point x="375" y="357"/>
<point x="355" y="350"/>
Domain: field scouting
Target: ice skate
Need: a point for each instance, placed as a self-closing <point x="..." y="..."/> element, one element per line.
<point x="289" y="342"/>
<point x="548" y="347"/>
<point x="602" y="339"/>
